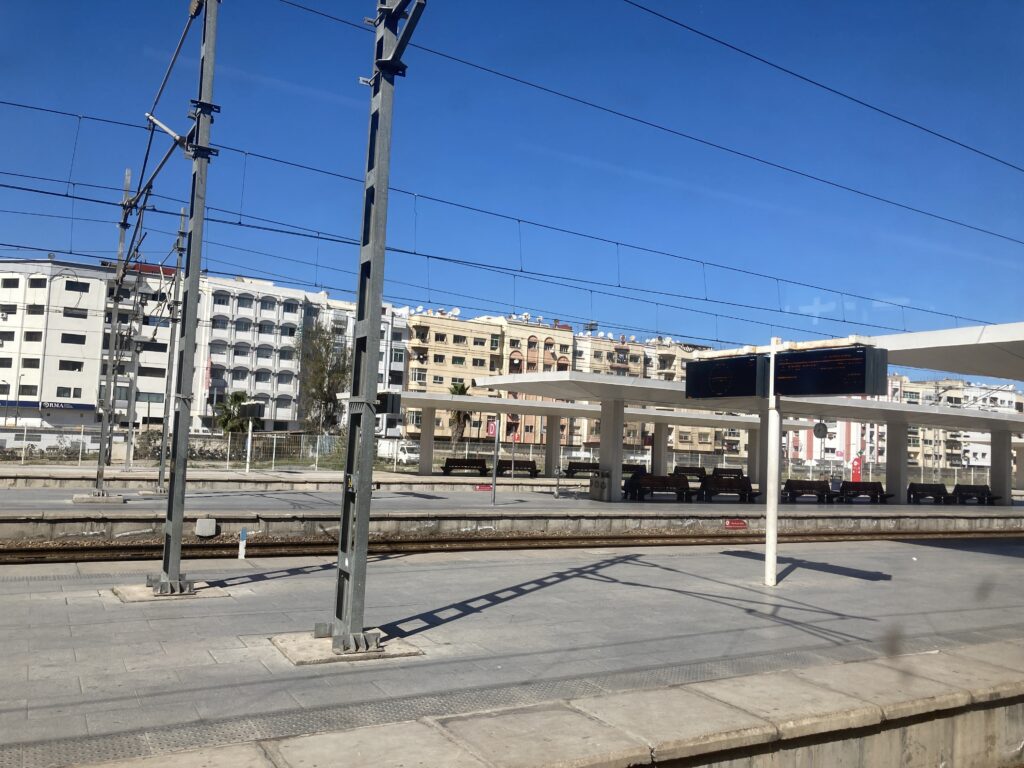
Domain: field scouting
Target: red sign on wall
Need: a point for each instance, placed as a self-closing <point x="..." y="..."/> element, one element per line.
<point x="855" y="470"/>
<point x="492" y="427"/>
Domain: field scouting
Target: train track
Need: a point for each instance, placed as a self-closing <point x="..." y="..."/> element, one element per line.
<point x="63" y="552"/>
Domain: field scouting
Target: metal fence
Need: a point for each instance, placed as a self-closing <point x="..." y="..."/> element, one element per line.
<point x="28" y="445"/>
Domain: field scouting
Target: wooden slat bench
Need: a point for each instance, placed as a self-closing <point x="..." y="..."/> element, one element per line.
<point x="582" y="466"/>
<point x="935" y="491"/>
<point x="521" y="467"/>
<point x="713" y="486"/>
<point x="696" y="474"/>
<point x="982" y="494"/>
<point x="475" y="465"/>
<point x="849" y="491"/>
<point x="727" y="472"/>
<point x="794" y="489"/>
<point x="629" y="469"/>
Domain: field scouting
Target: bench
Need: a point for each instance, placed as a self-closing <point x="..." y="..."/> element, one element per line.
<point x="935" y="491"/>
<point x="476" y="465"/>
<point x="629" y="469"/>
<point x="982" y="494"/>
<point x="677" y="484"/>
<point x="848" y="491"/>
<point x="713" y="486"/>
<point x="794" y="489"/>
<point x="691" y="473"/>
<point x="726" y="472"/>
<point x="582" y="466"/>
<point x="526" y="465"/>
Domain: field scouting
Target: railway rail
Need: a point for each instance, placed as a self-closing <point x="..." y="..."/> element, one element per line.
<point x="83" y="551"/>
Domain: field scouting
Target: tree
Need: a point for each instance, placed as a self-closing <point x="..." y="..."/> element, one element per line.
<point x="459" y="420"/>
<point x="324" y="373"/>
<point x="229" y="416"/>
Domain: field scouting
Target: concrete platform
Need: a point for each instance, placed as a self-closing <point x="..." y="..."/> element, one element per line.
<point x="530" y="642"/>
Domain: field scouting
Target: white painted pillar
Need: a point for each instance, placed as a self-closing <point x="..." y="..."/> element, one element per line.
<point x="552" y="445"/>
<point x="754" y="455"/>
<point x="1019" y="481"/>
<point x="612" y="422"/>
<point x="1000" y="477"/>
<point x="896" y="461"/>
<point x="427" y="441"/>
<point x="659" y="448"/>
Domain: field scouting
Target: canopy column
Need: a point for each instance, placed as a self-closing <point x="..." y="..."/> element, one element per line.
<point x="552" y="445"/>
<point x="659" y="448"/>
<point x="1019" y="481"/>
<point x="1000" y="478"/>
<point x="754" y="455"/>
<point x="612" y="422"/>
<point x="429" y="415"/>
<point x="896" y="460"/>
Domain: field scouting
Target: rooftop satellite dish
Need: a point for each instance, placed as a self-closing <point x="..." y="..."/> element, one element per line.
<point x="540" y="319"/>
<point x="632" y="338"/>
<point x="526" y="315"/>
<point x="456" y="312"/>
<point x="419" y="308"/>
<point x="600" y="334"/>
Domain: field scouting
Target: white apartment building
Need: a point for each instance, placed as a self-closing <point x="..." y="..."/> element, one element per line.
<point x="53" y="329"/>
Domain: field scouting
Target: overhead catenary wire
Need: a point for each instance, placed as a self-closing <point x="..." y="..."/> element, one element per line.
<point x="823" y="86"/>
<point x="613" y="111"/>
<point x="704" y="263"/>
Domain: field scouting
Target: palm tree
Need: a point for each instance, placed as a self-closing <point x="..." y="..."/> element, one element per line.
<point x="229" y="417"/>
<point x="459" y="420"/>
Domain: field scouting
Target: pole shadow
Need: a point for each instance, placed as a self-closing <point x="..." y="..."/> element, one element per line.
<point x="811" y="565"/>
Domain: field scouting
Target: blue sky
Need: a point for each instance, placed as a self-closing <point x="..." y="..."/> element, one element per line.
<point x="287" y="83"/>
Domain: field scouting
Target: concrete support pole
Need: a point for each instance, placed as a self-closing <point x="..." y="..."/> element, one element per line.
<point x="896" y="460"/>
<point x="770" y="493"/>
<point x="659" y="448"/>
<point x="612" y="422"/>
<point x="754" y="456"/>
<point x="1000" y="478"/>
<point x="427" y="441"/>
<point x="1019" y="476"/>
<point x="552" y="445"/>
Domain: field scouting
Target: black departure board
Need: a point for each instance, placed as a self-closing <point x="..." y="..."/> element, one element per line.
<point x="840" y="371"/>
<point x="727" y="377"/>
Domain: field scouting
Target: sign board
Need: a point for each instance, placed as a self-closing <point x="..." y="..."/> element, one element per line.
<point x="482" y="487"/>
<point x="855" y="470"/>
<point x="839" y="371"/>
<point x="736" y="523"/>
<point x="492" y="427"/>
<point x="745" y="376"/>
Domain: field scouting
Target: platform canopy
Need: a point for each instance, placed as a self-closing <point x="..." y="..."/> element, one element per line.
<point x="478" y="404"/>
<point x="594" y="387"/>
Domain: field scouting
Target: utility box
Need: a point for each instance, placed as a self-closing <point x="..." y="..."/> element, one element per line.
<point x="206" y="526"/>
<point x="601" y="486"/>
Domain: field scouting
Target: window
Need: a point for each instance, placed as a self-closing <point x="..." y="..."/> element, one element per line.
<point x="441" y="337"/>
<point x="266" y="329"/>
<point x="245" y="302"/>
<point x="5" y="389"/>
<point x="479" y="362"/>
<point x="37" y="282"/>
<point x="34" y="309"/>
<point x="6" y="335"/>
<point x="63" y="391"/>
<point x="438" y="358"/>
<point x="239" y="374"/>
<point x="457" y="380"/>
<point x="531" y="344"/>
<point x="458" y="339"/>
<point x="290" y="308"/>
<point x="76" y="286"/>
<point x="151" y="372"/>
<point x="30" y="362"/>
<point x="219" y="324"/>
<point x="264" y="353"/>
<point x="154" y="346"/>
<point x="9" y="309"/>
<point x="154" y="321"/>
<point x="419" y="375"/>
<point x="284" y="378"/>
<point x="547" y="366"/>
<point x="439" y="379"/>
<point x="70" y="365"/>
<point x="73" y="338"/>
<point x="28" y="389"/>
<point x="5" y="362"/>
<point x="396" y="335"/>
<point x="262" y="377"/>
<point x="563" y="349"/>
<point x="577" y="353"/>
<point x="597" y="354"/>
<point x="479" y="341"/>
<point x="287" y="331"/>
<point x="220" y="299"/>
<point x="398" y="356"/>
<point x="285" y="354"/>
<point x="10" y="282"/>
<point x="495" y="341"/>
<point x="458" y="361"/>
<point x="531" y="366"/>
<point x="242" y="326"/>
<point x="529" y="429"/>
<point x="512" y="343"/>
<point x="267" y="305"/>
<point x="78" y="313"/>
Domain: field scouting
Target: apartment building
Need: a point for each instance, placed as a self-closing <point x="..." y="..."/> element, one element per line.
<point x="54" y="324"/>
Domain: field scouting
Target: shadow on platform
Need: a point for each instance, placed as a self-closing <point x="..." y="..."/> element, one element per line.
<point x="792" y="563"/>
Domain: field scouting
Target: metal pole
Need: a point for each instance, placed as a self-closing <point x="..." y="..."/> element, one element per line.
<point x="133" y="394"/>
<point x="227" y="455"/>
<point x="273" y="452"/>
<point x="248" y="445"/>
<point x="772" y="481"/>
<point x="24" y="442"/>
<point x="81" y="443"/>
<point x="171" y="580"/>
<point x="316" y="453"/>
<point x="347" y="628"/>
<point x="113" y="352"/>
<point x="172" y="341"/>
<point x="494" y="469"/>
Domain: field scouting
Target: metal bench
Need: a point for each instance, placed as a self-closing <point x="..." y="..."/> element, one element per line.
<point x="849" y="490"/>
<point x="713" y="486"/>
<point x="935" y="491"/>
<point x="696" y="474"/>
<point x="582" y="466"/>
<point x="523" y="467"/>
<point x="981" y="494"/>
<point x="794" y="489"/>
<point x="475" y="465"/>
<point x="727" y="472"/>
<point x="647" y="484"/>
